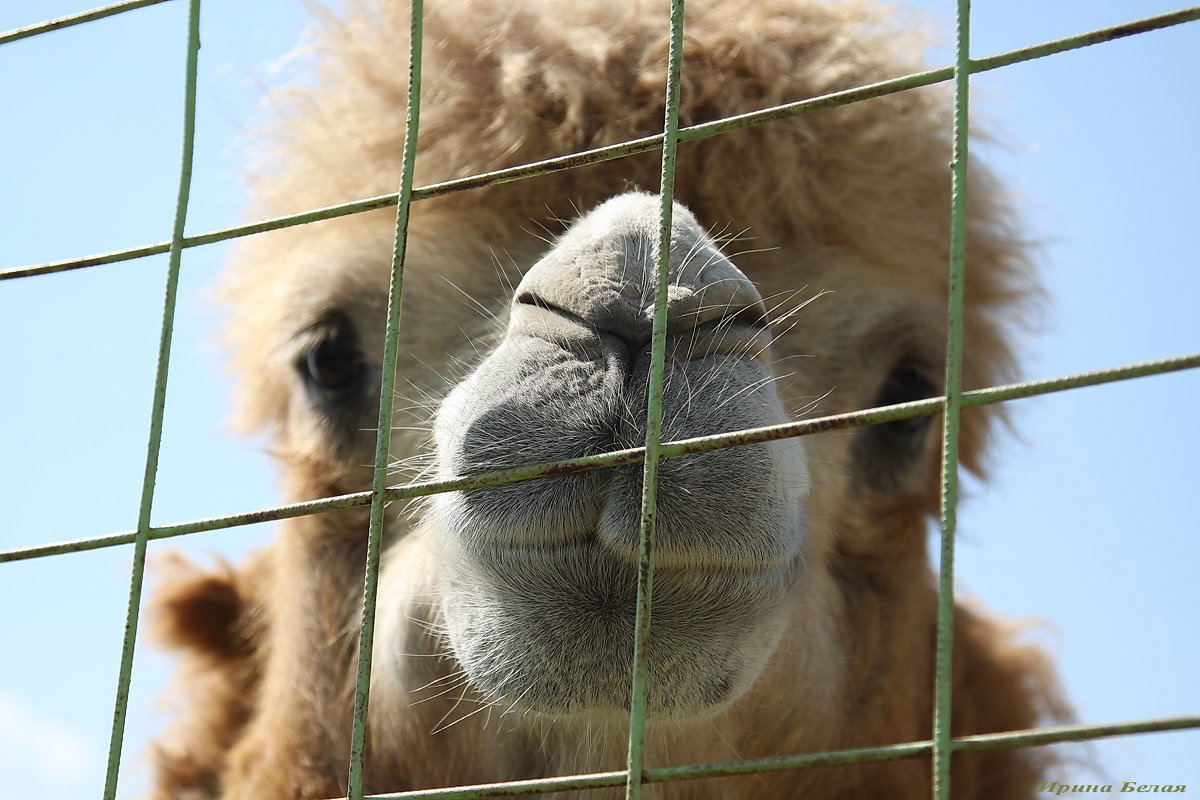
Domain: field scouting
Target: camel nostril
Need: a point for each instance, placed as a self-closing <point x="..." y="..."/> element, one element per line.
<point x="699" y="331"/>
<point x="752" y="319"/>
<point x="602" y="274"/>
<point x="751" y="316"/>
<point x="531" y="299"/>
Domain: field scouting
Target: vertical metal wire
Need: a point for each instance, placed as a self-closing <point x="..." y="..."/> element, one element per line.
<point x="942" y="742"/>
<point x="125" y="671"/>
<point x="383" y="439"/>
<point x="654" y="403"/>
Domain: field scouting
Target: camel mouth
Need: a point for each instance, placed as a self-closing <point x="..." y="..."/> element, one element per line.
<point x="540" y="585"/>
<point x="551" y="630"/>
<point x="561" y="519"/>
<point x="591" y="545"/>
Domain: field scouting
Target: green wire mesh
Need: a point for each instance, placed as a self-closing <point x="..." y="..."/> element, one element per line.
<point x="941" y="744"/>
<point x="159" y="405"/>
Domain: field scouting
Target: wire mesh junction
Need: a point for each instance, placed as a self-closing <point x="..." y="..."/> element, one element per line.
<point x="941" y="745"/>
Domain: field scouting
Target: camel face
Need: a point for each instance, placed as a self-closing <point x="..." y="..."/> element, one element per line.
<point x="793" y="606"/>
<point x="515" y="577"/>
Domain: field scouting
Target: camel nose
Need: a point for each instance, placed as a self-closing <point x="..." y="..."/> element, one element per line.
<point x="602" y="275"/>
<point x="571" y="378"/>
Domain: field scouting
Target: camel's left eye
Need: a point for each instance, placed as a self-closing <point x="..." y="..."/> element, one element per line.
<point x="333" y="363"/>
<point x="904" y="384"/>
<point x="885" y="452"/>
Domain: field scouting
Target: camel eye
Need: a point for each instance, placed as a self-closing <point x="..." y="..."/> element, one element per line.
<point x="333" y="363"/>
<point x="904" y="384"/>
<point x="885" y="453"/>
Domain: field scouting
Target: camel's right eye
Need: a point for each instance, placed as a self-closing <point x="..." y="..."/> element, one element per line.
<point x="333" y="361"/>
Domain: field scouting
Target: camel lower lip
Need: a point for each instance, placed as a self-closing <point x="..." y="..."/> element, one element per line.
<point x="680" y="564"/>
<point x="557" y="638"/>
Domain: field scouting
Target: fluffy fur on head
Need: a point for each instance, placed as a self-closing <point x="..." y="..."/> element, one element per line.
<point x="795" y="606"/>
<point x="514" y="83"/>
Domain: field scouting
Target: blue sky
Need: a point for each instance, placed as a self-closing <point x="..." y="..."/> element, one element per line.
<point x="1088" y="525"/>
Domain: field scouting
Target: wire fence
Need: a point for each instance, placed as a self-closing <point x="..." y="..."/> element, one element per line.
<point x="941" y="744"/>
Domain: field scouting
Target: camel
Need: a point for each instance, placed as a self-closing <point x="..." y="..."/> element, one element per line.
<point x="794" y="605"/>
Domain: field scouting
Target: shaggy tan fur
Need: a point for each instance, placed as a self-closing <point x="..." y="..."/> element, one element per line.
<point x="851" y="201"/>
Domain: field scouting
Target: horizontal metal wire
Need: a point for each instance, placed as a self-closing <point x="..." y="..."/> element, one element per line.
<point x="631" y="147"/>
<point x="1009" y="740"/>
<point x="700" y="444"/>
<point x="75" y="19"/>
